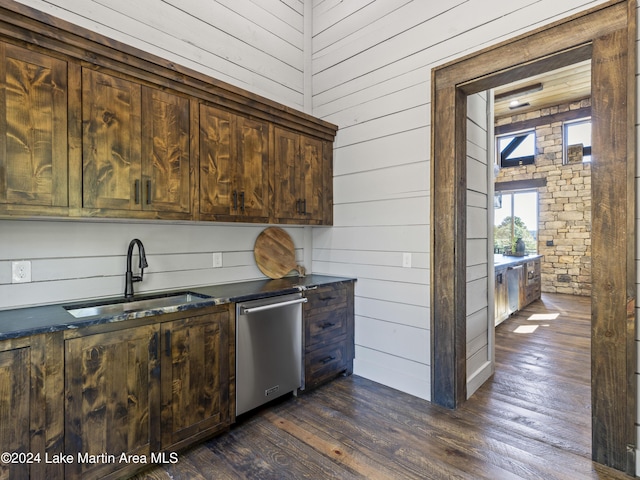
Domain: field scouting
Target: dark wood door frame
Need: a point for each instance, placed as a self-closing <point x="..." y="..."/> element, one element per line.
<point x="607" y="35"/>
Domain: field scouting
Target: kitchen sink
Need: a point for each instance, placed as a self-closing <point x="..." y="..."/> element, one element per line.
<point x="139" y="304"/>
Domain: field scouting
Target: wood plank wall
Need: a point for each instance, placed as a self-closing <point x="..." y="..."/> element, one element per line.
<point x="255" y="45"/>
<point x="73" y="260"/>
<point x="479" y="263"/>
<point x="372" y="64"/>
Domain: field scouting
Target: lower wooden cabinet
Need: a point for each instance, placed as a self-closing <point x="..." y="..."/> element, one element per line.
<point x="194" y="378"/>
<point x="132" y="393"/>
<point x="107" y="400"/>
<point x="329" y="333"/>
<point x="31" y="399"/>
<point x="112" y="406"/>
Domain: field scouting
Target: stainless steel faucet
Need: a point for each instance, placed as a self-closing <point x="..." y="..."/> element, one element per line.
<point x="130" y="277"/>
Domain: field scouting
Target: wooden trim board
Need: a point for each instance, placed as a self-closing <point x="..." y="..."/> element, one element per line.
<point x="606" y="34"/>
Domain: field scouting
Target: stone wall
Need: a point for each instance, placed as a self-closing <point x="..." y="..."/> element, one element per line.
<point x="564" y="218"/>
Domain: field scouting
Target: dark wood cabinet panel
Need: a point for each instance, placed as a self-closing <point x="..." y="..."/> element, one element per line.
<point x="216" y="162"/>
<point x="111" y="142"/>
<point x="252" y="168"/>
<point x="195" y="377"/>
<point x="234" y="166"/>
<point x="112" y="398"/>
<point x="329" y="333"/>
<point x="136" y="153"/>
<point x="33" y="128"/>
<point x="300" y="165"/>
<point x="165" y="151"/>
<point x="31" y="404"/>
<point x="15" y="399"/>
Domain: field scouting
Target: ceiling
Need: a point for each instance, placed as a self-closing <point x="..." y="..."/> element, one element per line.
<point x="548" y="89"/>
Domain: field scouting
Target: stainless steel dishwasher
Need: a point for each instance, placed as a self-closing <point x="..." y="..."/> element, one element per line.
<point x="268" y="349"/>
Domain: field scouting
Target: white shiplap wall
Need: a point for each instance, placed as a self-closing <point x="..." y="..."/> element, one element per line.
<point x="479" y="262"/>
<point x="72" y="260"/>
<point x="372" y="63"/>
<point x="257" y="46"/>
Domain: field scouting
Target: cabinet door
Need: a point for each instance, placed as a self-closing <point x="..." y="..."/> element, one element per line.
<point x="288" y="174"/>
<point x="112" y="398"/>
<point x="165" y="151"/>
<point x="217" y="167"/>
<point x="252" y="170"/>
<point x="31" y="417"/>
<point x="195" y="376"/>
<point x="15" y="396"/>
<point x="111" y="142"/>
<point x="299" y="177"/>
<point x="33" y="126"/>
<point x="311" y="191"/>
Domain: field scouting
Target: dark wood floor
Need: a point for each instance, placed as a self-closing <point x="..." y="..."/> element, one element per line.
<point x="530" y="421"/>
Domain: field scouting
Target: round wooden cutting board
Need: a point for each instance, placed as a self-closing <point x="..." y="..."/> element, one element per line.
<point x="275" y="253"/>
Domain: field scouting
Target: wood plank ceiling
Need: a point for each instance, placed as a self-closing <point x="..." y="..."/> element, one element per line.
<point x="568" y="84"/>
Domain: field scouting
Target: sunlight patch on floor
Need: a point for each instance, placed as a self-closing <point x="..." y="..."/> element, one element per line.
<point x="544" y="316"/>
<point x="526" y="329"/>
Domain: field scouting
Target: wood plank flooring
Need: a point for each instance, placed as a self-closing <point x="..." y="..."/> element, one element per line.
<point x="532" y="420"/>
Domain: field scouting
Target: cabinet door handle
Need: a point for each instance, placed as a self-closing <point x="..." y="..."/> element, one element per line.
<point x="148" y="192"/>
<point x="167" y="341"/>
<point x="242" y="202"/>
<point x="235" y="200"/>
<point x="136" y="187"/>
<point x="327" y="325"/>
<point x="326" y="360"/>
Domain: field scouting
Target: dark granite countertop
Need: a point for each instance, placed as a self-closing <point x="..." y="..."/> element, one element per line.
<point x="502" y="261"/>
<point x="22" y="322"/>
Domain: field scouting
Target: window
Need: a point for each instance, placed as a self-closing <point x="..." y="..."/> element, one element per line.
<point x="517" y="149"/>
<point x="577" y="141"/>
<point x="517" y="217"/>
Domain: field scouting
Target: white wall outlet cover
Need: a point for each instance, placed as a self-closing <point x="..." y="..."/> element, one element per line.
<point x="406" y="260"/>
<point x="217" y="260"/>
<point x="21" y="271"/>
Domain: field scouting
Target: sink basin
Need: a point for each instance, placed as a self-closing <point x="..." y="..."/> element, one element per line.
<point x="120" y="306"/>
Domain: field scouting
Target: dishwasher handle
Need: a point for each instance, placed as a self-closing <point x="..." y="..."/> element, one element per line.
<point x="262" y="308"/>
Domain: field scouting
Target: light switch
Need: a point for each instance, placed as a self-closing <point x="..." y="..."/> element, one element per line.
<point x="406" y="260"/>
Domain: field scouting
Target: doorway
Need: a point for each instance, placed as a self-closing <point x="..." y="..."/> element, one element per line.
<point x="605" y="35"/>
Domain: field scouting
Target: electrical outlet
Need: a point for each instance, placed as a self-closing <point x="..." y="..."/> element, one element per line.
<point x="217" y="260"/>
<point x="406" y="260"/>
<point x="21" y="272"/>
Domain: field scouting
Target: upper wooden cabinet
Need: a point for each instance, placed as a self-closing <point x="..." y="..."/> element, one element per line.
<point x="135" y="146"/>
<point x="33" y="131"/>
<point x="234" y="166"/>
<point x="90" y="127"/>
<point x="302" y="184"/>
